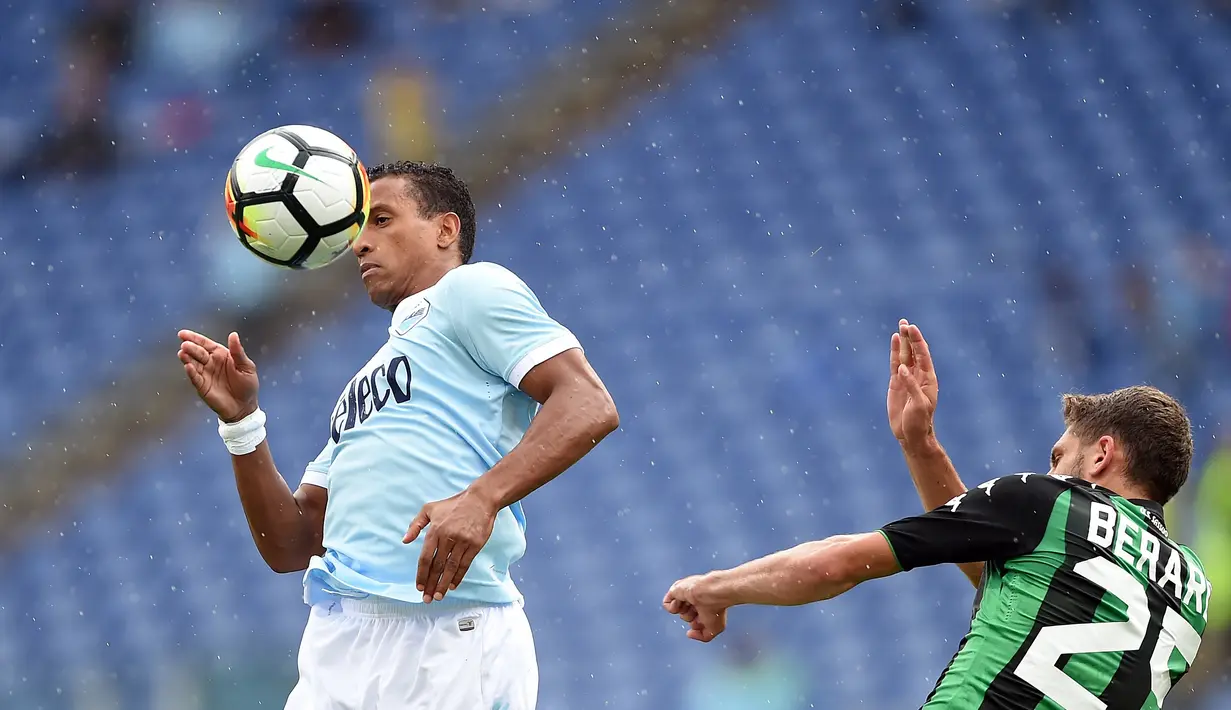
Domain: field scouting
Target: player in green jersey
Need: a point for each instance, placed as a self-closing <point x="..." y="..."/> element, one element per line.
<point x="1084" y="600"/>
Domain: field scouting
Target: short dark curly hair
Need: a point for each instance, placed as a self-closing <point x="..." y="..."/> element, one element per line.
<point x="437" y="191"/>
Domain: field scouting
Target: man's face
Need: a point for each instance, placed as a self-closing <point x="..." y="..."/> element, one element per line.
<point x="1070" y="457"/>
<point x="396" y="243"/>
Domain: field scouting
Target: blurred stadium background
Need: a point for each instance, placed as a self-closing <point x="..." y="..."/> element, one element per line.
<point x="730" y="203"/>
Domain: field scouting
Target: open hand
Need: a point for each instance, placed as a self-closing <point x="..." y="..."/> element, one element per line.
<point x="223" y="375"/>
<point x="685" y="600"/>
<point x="913" y="388"/>
<point x="459" y="527"/>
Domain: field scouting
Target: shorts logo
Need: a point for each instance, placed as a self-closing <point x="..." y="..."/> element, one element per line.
<point x="412" y="319"/>
<point x="466" y="624"/>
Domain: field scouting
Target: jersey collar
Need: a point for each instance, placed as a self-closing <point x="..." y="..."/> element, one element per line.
<point x="1153" y="511"/>
<point x="1149" y="505"/>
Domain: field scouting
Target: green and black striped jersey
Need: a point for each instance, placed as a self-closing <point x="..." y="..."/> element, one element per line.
<point x="1085" y="604"/>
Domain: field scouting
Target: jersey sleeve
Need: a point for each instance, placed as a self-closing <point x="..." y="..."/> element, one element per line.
<point x="502" y="324"/>
<point x="1001" y="519"/>
<point x="316" y="473"/>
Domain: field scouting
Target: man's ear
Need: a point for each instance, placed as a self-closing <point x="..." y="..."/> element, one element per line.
<point x="450" y="230"/>
<point x="1107" y="452"/>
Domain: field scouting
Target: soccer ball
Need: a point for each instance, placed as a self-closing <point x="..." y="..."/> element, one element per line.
<point x="297" y="196"/>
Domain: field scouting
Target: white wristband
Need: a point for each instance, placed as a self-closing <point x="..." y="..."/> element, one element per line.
<point x="242" y="437"/>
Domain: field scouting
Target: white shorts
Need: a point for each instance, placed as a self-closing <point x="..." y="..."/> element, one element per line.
<point x="365" y="655"/>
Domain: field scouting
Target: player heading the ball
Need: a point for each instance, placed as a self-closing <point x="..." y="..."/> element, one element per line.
<point x="409" y="519"/>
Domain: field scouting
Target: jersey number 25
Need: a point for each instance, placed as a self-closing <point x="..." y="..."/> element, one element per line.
<point x="1038" y="666"/>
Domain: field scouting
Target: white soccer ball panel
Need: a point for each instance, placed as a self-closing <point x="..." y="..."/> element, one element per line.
<point x="329" y="194"/>
<point x="279" y="234"/>
<point x="320" y="138"/>
<point x="267" y="148"/>
<point x="332" y="248"/>
<point x="325" y="188"/>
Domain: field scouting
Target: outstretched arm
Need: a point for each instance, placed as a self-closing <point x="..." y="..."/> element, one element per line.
<point x="999" y="520"/>
<point x="811" y="572"/>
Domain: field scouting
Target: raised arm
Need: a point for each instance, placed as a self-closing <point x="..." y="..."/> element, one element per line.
<point x="935" y="478"/>
<point x="286" y="526"/>
<point x="911" y="405"/>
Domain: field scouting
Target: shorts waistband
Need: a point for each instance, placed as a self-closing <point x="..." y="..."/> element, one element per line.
<point x="391" y="607"/>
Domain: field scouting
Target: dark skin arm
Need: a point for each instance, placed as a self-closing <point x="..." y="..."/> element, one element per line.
<point x="577" y="412"/>
<point x="286" y="526"/>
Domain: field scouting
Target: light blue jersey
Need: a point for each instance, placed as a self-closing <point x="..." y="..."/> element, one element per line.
<point x="434" y="409"/>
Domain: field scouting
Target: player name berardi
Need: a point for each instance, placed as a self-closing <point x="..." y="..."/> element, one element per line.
<point x="1145" y="552"/>
<point x="368" y="393"/>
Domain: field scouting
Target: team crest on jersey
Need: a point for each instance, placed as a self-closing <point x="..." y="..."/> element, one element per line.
<point x="415" y="317"/>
